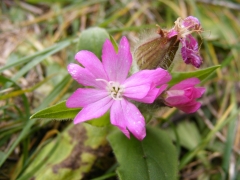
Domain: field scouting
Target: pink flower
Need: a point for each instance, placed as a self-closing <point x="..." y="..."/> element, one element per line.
<point x="183" y="95"/>
<point x="183" y="29"/>
<point x="190" y="52"/>
<point x="110" y="89"/>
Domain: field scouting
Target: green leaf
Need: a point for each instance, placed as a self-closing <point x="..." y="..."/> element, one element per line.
<point x="58" y="111"/>
<point x="153" y="158"/>
<point x="38" y="55"/>
<point x="114" y="43"/>
<point x="101" y="121"/>
<point x="200" y="74"/>
<point x="184" y="129"/>
<point x="61" y="112"/>
<point x="92" y="39"/>
<point x="38" y="59"/>
<point x="27" y="124"/>
<point x="68" y="156"/>
<point x="2" y="154"/>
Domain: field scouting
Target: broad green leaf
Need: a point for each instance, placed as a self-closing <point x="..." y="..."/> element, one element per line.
<point x="200" y="74"/>
<point x="61" y="112"/>
<point x="69" y="156"/>
<point x="58" y="111"/>
<point x="184" y="129"/>
<point x="153" y="158"/>
<point x="92" y="39"/>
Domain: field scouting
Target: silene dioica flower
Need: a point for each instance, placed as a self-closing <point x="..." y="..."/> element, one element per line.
<point x="108" y="87"/>
<point x="159" y="49"/>
<point x="183" y="95"/>
<point x="183" y="29"/>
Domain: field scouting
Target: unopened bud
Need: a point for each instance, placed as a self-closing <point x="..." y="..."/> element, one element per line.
<point x="157" y="51"/>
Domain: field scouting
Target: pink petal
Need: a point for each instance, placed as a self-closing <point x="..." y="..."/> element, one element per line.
<point x="191" y="108"/>
<point x="191" y="22"/>
<point x="117" y="65"/>
<point x="192" y="42"/>
<point x="177" y="100"/>
<point x="83" y="76"/>
<point x="189" y="51"/>
<point x="157" y="76"/>
<point x="152" y="95"/>
<point x="109" y="60"/>
<point x="124" y="60"/>
<point x="138" y="91"/>
<point x="199" y="91"/>
<point x="163" y="77"/>
<point x="83" y="97"/>
<point x="94" y="110"/>
<point x="172" y="33"/>
<point x="125" y="116"/>
<point x="190" y="82"/>
<point x="138" y="85"/>
<point x="92" y="63"/>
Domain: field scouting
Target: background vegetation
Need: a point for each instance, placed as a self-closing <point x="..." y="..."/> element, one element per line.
<point x="39" y="38"/>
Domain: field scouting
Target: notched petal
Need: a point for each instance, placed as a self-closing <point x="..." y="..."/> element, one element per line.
<point x="125" y="115"/>
<point x="91" y="62"/>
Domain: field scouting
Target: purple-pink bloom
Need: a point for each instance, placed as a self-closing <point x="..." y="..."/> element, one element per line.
<point x="110" y="89"/>
<point x="190" y="52"/>
<point x="183" y="29"/>
<point x="184" y="94"/>
<point x="192" y="23"/>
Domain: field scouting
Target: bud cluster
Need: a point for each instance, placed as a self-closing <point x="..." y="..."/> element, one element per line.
<point x="160" y="50"/>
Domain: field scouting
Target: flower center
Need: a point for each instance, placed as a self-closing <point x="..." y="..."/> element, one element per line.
<point x="115" y="89"/>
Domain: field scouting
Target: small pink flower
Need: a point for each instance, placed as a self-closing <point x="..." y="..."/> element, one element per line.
<point x="190" y="52"/>
<point x="183" y="29"/>
<point x="110" y="89"/>
<point x="183" y="95"/>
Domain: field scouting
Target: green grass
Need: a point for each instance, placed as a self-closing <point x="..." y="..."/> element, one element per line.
<point x="38" y="40"/>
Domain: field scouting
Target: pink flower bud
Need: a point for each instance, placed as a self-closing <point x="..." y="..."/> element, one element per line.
<point x="190" y="52"/>
<point x="183" y="95"/>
